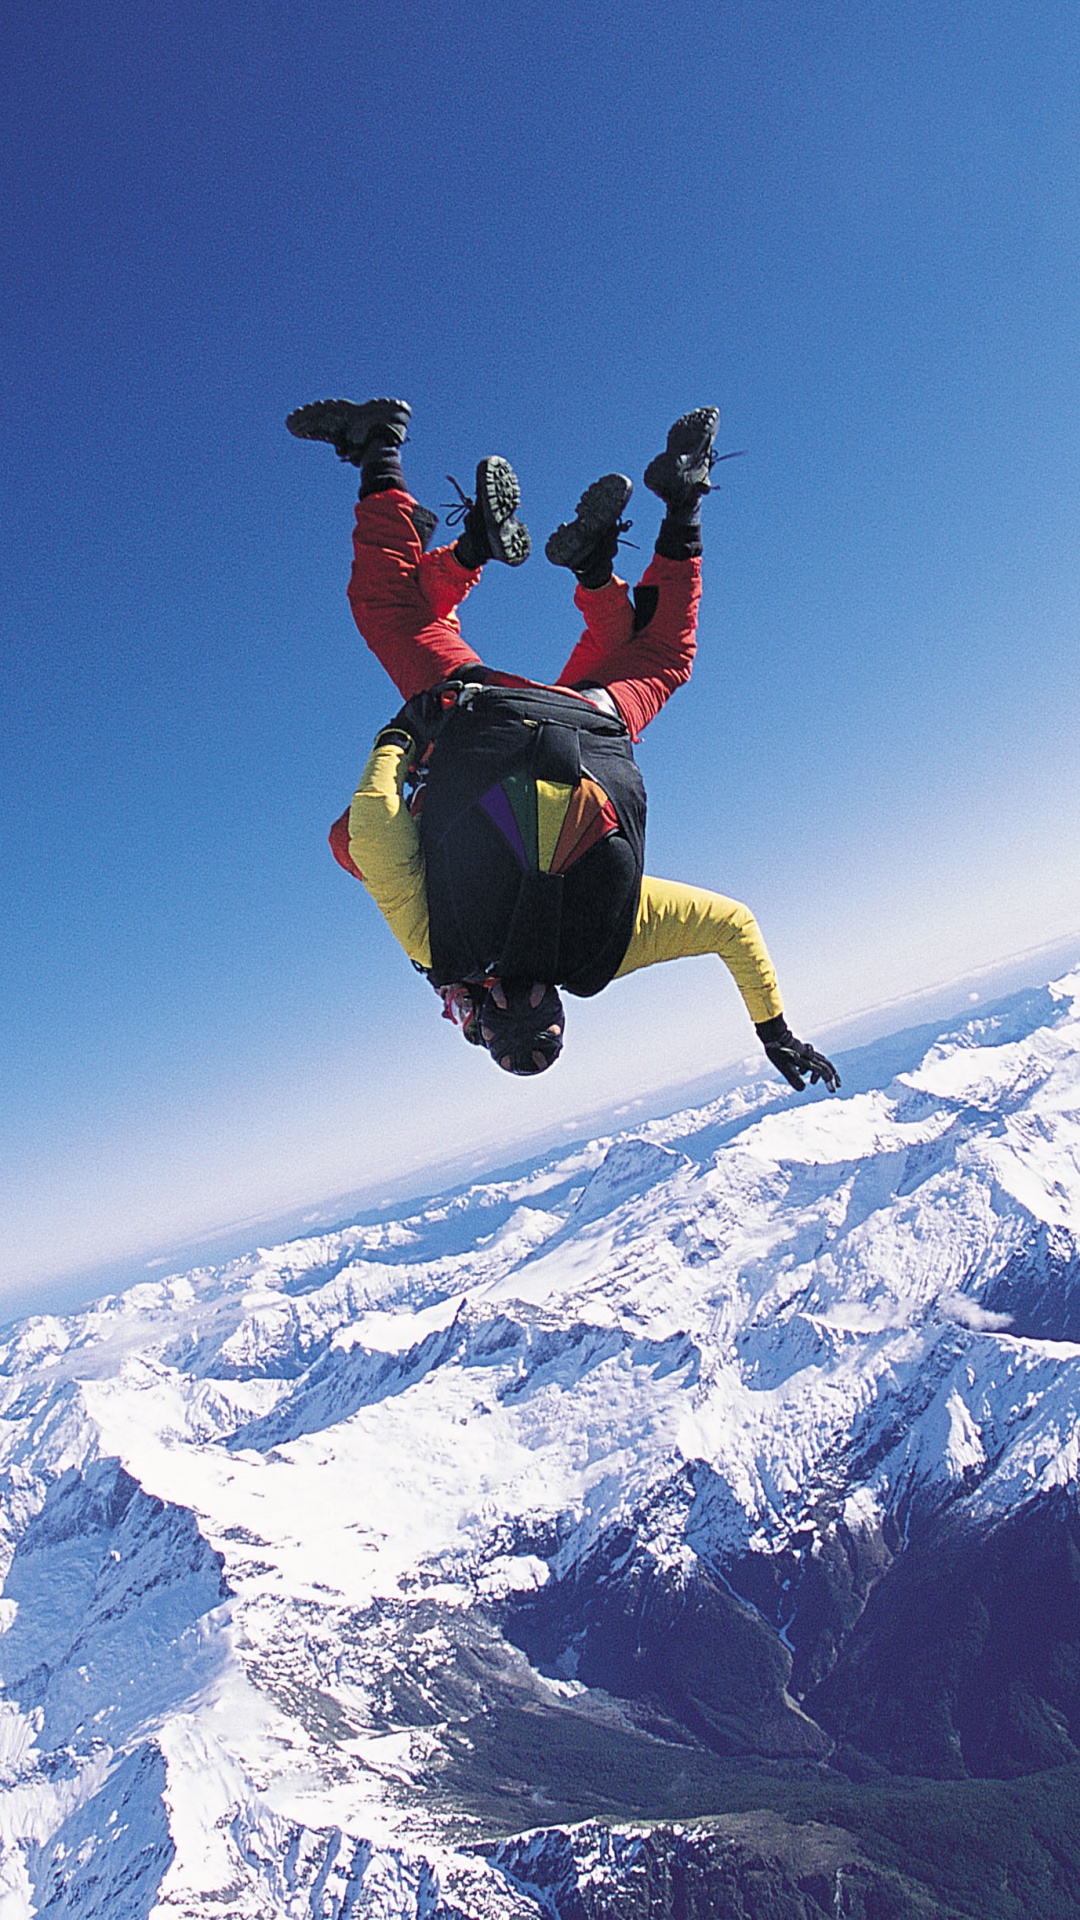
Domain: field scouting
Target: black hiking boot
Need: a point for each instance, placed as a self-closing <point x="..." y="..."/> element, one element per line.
<point x="489" y="530"/>
<point x="588" y="543"/>
<point x="680" y="475"/>
<point x="349" y="425"/>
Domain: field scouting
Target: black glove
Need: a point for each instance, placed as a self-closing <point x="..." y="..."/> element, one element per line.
<point x="419" y="720"/>
<point x="793" y="1058"/>
<point x="395" y="735"/>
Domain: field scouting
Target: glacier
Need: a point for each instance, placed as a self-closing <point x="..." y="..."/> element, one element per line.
<point x="605" y="1467"/>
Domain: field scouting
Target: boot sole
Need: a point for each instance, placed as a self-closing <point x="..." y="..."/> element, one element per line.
<point x="499" y="494"/>
<point x="691" y="428"/>
<point x="347" y="424"/>
<point x="599" y="509"/>
<point x="685" y="462"/>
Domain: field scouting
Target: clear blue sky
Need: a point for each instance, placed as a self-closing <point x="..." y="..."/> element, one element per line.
<point x="852" y="225"/>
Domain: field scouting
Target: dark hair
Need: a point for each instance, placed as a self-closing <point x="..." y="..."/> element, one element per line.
<point x="522" y="1025"/>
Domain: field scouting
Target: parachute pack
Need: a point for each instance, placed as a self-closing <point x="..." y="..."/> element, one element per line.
<point x="533" y="831"/>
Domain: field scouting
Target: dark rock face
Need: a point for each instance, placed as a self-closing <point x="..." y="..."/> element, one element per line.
<point x="815" y="1591"/>
<point x="957" y="1658"/>
<point x="1039" y="1287"/>
<point x="744" y="1867"/>
<point x="86" y="1868"/>
<point x="967" y="1657"/>
<point x="681" y="1645"/>
<point x="106" y="1580"/>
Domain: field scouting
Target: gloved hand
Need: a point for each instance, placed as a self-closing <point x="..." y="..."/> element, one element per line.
<point x="461" y="1006"/>
<point x="793" y="1058"/>
<point x="395" y="735"/>
<point x="419" y="720"/>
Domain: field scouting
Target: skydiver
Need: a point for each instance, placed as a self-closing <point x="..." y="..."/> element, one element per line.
<point x="517" y="865"/>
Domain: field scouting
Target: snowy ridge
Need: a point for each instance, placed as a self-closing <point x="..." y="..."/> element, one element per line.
<point x="263" y="1526"/>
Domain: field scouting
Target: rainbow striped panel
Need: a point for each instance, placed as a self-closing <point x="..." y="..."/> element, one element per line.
<point x="548" y="825"/>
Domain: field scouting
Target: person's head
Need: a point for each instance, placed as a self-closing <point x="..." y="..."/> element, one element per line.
<point x="521" y="1024"/>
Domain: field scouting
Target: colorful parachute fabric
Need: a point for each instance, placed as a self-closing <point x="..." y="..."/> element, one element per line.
<point x="548" y="825"/>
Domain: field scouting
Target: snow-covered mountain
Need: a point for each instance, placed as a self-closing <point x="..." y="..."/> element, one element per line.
<point x="744" y="1445"/>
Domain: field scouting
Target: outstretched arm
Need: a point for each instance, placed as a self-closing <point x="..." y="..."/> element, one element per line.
<point x="674" y="922"/>
<point x="384" y="842"/>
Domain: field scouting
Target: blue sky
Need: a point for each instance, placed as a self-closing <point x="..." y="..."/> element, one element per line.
<point x="852" y="226"/>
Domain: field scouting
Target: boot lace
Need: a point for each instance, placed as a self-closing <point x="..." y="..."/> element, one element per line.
<point x="715" y="458"/>
<point x="457" y="511"/>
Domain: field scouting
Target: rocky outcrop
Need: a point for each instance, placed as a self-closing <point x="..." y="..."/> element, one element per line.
<point x="745" y="1867"/>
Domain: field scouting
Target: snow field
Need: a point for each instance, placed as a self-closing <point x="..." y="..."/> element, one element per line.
<point x="235" y="1501"/>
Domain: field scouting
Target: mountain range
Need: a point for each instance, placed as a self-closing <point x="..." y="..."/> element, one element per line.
<point x="684" y="1524"/>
